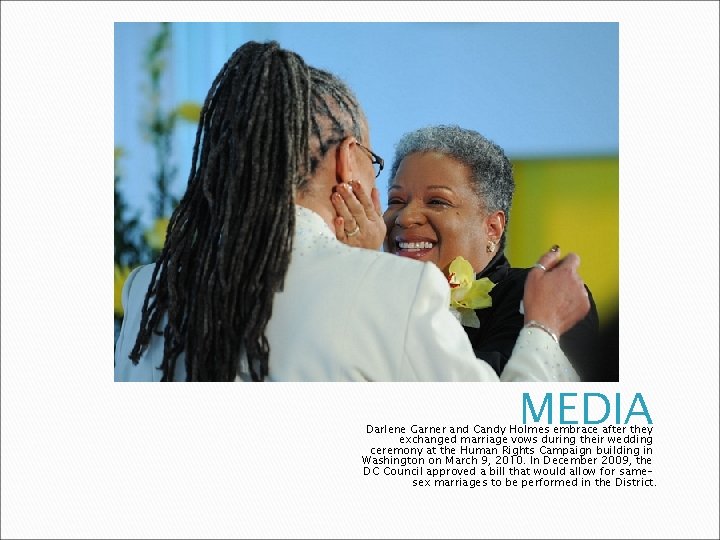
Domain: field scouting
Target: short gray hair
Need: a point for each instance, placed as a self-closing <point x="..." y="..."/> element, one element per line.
<point x="492" y="177"/>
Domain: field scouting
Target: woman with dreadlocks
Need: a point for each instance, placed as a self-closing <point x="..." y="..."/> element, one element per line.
<point x="252" y="283"/>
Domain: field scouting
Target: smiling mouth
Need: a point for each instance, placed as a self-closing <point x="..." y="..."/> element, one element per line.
<point x="414" y="250"/>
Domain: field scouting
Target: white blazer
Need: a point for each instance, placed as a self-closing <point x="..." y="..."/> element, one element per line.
<point x="350" y="314"/>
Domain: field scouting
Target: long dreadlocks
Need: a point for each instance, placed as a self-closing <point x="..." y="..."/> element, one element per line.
<point x="267" y="122"/>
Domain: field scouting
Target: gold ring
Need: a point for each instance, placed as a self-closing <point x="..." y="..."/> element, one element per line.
<point x="354" y="231"/>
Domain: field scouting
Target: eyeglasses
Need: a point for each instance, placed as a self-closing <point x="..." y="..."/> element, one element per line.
<point x="376" y="160"/>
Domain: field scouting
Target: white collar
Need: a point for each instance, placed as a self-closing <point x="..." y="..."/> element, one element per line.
<point x="309" y="223"/>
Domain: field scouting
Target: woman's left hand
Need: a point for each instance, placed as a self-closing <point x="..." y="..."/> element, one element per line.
<point x="359" y="221"/>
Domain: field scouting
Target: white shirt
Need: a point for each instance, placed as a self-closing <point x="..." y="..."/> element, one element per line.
<point x="350" y="314"/>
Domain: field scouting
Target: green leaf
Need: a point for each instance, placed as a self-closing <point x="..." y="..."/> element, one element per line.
<point x="189" y="111"/>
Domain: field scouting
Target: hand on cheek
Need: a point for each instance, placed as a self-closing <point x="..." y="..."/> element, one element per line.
<point x="358" y="222"/>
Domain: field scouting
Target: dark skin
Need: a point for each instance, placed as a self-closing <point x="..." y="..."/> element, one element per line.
<point x="556" y="297"/>
<point x="433" y="213"/>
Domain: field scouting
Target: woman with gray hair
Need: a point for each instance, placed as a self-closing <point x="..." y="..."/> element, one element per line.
<point x="450" y="193"/>
<point x="241" y="290"/>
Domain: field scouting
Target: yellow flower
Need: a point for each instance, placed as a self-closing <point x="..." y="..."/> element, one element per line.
<point x="155" y="236"/>
<point x="121" y="274"/>
<point x="189" y="111"/>
<point x="467" y="293"/>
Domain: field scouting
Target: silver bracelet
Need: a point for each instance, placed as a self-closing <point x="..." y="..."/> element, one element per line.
<point x="535" y="324"/>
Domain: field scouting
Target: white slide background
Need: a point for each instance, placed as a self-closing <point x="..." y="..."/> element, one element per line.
<point x="84" y="457"/>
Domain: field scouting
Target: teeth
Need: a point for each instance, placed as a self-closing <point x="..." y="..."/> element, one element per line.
<point x="415" y="245"/>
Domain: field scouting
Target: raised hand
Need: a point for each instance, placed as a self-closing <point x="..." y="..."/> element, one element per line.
<point x="555" y="295"/>
<point x="359" y="221"/>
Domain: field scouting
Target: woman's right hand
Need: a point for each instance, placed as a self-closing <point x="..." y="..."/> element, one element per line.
<point x="555" y="297"/>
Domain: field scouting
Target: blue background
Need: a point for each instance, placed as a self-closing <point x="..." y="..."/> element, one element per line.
<point x="536" y="89"/>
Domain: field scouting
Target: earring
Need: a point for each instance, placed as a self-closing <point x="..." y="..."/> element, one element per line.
<point x="490" y="248"/>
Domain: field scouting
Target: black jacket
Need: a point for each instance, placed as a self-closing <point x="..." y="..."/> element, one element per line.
<point x="501" y="323"/>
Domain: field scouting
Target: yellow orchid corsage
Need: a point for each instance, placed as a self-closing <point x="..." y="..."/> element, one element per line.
<point x="467" y="293"/>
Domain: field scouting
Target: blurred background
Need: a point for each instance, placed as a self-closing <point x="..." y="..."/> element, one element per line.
<point x="546" y="92"/>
